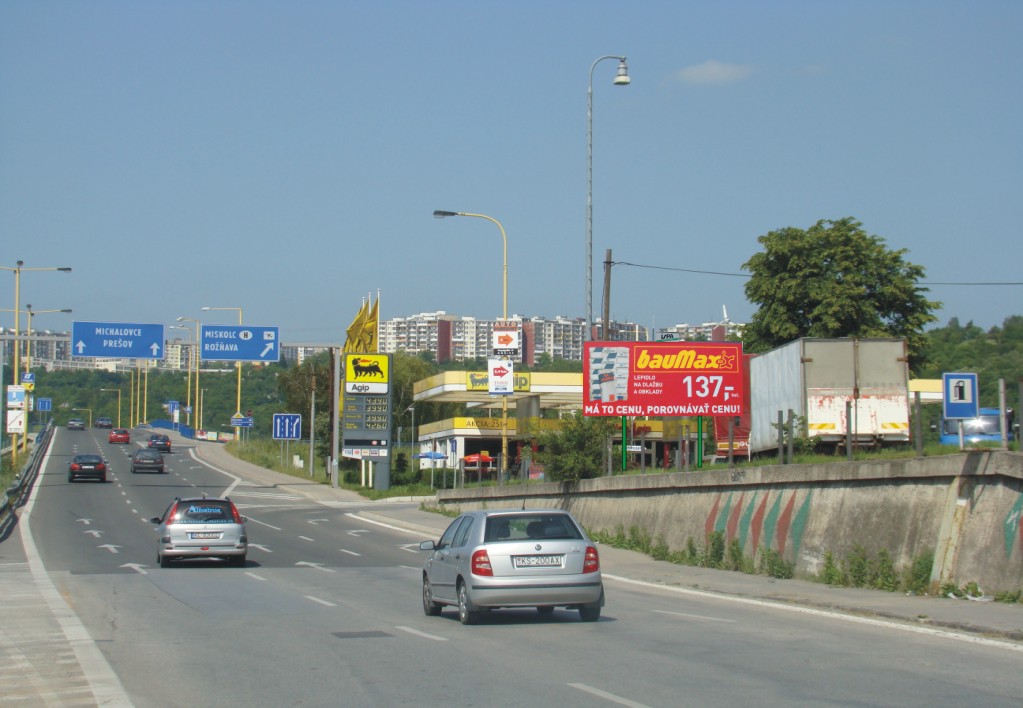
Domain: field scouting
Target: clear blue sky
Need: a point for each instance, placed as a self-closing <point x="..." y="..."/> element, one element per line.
<point x="286" y="156"/>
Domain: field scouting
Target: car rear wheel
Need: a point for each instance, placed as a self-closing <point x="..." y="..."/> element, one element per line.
<point x="70" y="478"/>
<point x="589" y="613"/>
<point x="163" y="561"/>
<point x="465" y="615"/>
<point x="236" y="561"/>
<point x="430" y="607"/>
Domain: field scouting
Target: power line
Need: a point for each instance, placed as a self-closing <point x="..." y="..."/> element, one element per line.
<point x="748" y="275"/>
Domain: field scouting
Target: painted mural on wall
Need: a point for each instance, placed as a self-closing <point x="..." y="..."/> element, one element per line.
<point x="760" y="521"/>
<point x="1013" y="530"/>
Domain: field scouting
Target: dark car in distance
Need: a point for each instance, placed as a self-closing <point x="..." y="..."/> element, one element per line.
<point x="159" y="442"/>
<point x="104" y="422"/>
<point x="91" y="466"/>
<point x="146" y="460"/>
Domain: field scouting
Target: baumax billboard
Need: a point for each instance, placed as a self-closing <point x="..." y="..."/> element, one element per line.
<point x="662" y="378"/>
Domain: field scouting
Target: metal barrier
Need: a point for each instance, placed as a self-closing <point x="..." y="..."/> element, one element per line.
<point x="17" y="492"/>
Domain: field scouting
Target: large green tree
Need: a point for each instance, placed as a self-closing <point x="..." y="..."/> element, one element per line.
<point x="834" y="280"/>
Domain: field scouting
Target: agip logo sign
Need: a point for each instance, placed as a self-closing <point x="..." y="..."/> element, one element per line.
<point x="663" y="378"/>
<point x="367" y="373"/>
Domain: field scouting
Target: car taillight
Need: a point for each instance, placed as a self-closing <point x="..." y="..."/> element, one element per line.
<point x="101" y="467"/>
<point x="75" y="467"/>
<point x="481" y="563"/>
<point x="171" y="514"/>
<point x="235" y="515"/>
<point x="591" y="563"/>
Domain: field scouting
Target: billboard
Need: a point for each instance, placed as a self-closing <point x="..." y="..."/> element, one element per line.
<point x="662" y="378"/>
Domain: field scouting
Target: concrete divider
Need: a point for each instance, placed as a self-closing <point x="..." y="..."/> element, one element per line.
<point x="965" y="509"/>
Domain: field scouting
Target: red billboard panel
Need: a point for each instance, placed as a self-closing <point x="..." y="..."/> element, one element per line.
<point x="663" y="378"/>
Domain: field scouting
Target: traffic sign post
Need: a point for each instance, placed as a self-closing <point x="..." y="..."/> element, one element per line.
<point x="114" y="340"/>
<point x="239" y="343"/>
<point x="959" y="399"/>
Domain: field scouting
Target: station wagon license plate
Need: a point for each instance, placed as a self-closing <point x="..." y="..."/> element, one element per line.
<point x="538" y="561"/>
<point x="205" y="535"/>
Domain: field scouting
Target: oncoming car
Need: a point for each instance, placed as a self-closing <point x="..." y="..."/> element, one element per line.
<point x="491" y="559"/>
<point x="201" y="527"/>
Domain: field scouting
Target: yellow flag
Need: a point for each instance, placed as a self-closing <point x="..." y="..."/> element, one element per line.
<point x="368" y="340"/>
<point x="354" y="332"/>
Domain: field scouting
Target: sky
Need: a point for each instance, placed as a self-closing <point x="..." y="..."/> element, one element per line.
<point x="285" y="157"/>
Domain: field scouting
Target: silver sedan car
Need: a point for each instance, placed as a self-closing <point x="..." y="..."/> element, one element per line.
<point x="201" y="527"/>
<point x="490" y="559"/>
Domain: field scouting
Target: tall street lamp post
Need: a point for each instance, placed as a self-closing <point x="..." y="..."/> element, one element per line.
<point x="621" y="79"/>
<point x="238" y="365"/>
<point x="194" y="352"/>
<point x="188" y="371"/>
<point x="504" y="316"/>
<point x="17" y="270"/>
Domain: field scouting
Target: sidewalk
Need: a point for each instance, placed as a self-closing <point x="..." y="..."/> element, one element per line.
<point x="985" y="618"/>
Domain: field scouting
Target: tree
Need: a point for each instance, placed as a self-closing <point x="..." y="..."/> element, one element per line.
<point x="576" y="449"/>
<point x="834" y="280"/>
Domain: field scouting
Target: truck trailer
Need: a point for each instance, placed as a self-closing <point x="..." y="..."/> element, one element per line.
<point x="819" y="380"/>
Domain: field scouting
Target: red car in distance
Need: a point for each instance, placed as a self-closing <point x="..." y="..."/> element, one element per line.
<point x="119" y="435"/>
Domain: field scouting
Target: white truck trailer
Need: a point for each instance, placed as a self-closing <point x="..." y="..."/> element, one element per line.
<point x="817" y="378"/>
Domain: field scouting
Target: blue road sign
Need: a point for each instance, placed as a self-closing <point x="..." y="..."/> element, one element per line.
<point x="240" y="343"/>
<point x="287" y="426"/>
<point x="241" y="421"/>
<point x="959" y="397"/>
<point x="126" y="340"/>
<point x="44" y="404"/>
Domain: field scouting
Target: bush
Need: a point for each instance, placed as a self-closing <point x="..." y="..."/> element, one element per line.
<point x="917" y="577"/>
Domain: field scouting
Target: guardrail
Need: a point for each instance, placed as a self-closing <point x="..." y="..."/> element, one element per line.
<point x="16" y="493"/>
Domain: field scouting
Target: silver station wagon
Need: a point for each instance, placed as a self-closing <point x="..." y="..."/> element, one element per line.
<point x="491" y="559"/>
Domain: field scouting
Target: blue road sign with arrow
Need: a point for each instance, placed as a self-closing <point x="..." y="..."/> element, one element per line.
<point x="287" y="426"/>
<point x="127" y="340"/>
<point x="240" y="343"/>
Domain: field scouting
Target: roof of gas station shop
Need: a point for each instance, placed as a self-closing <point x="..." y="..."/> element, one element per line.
<point x="555" y="390"/>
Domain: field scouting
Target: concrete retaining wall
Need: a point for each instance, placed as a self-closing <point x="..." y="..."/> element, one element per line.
<point x="964" y="508"/>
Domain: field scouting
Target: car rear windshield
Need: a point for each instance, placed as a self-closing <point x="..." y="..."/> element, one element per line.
<point x="148" y="455"/>
<point x="206" y="511"/>
<point x="527" y="526"/>
<point x="88" y="459"/>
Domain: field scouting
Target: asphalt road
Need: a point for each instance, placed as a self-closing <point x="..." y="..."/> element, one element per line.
<point x="327" y="612"/>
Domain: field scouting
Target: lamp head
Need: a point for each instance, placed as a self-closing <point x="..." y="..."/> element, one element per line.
<point x="206" y="309"/>
<point x="441" y="214"/>
<point x="622" y="77"/>
<point x="64" y="270"/>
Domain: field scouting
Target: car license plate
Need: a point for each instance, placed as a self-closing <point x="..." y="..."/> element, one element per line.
<point x="205" y="535"/>
<point x="538" y="561"/>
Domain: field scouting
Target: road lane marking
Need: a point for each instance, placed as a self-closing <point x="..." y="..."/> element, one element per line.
<point x="607" y="696"/>
<point x="351" y="553"/>
<point x="306" y="538"/>
<point x="325" y="603"/>
<point x="886" y="624"/>
<point x="253" y="575"/>
<point x="424" y="635"/>
<point x="699" y="617"/>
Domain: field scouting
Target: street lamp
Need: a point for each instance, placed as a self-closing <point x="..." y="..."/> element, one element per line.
<point x="238" y="365"/>
<point x="28" y="342"/>
<point x="504" y="316"/>
<point x="621" y="79"/>
<point x="17" y="306"/>
<point x="188" y="369"/>
<point x="111" y="390"/>
<point x="194" y="350"/>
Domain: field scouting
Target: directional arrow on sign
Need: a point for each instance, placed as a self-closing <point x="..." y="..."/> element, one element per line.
<point x="500" y="371"/>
